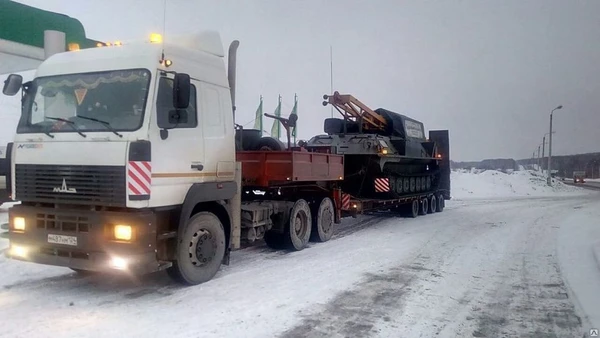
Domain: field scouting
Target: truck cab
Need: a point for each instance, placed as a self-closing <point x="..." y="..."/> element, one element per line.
<point x="116" y="147"/>
<point x="578" y="177"/>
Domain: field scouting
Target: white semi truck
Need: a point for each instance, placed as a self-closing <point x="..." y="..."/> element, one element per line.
<point x="125" y="160"/>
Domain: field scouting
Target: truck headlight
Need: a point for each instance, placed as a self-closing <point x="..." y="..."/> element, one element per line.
<point x="123" y="232"/>
<point x="18" y="251"/>
<point x="19" y="223"/>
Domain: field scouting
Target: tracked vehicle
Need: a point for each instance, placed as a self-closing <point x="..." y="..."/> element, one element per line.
<point x="387" y="155"/>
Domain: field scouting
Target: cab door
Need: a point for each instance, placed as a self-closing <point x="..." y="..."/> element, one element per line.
<point x="177" y="144"/>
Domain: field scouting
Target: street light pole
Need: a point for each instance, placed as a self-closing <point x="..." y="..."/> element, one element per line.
<point x="550" y="148"/>
<point x="543" y="152"/>
<point x="539" y="158"/>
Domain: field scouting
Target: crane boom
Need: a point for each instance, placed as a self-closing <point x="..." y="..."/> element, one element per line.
<point x="352" y="109"/>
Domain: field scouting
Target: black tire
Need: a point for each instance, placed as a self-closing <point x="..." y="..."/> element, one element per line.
<point x="399" y="185"/>
<point x="406" y="184"/>
<point x="200" y="250"/>
<point x="270" y="144"/>
<point x="299" y="226"/>
<point x="412" y="184"/>
<point x="413" y="209"/>
<point x="275" y="240"/>
<point x="432" y="204"/>
<point x="424" y="207"/>
<point x="418" y="184"/>
<point x="441" y="203"/>
<point x="323" y="221"/>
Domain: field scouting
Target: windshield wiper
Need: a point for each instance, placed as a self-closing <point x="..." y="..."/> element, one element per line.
<point x="70" y="123"/>
<point x="106" y="124"/>
<point x="48" y="133"/>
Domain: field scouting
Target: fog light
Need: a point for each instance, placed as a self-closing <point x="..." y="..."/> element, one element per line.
<point x="18" y="251"/>
<point x="19" y="223"/>
<point x="118" y="263"/>
<point x="123" y="232"/>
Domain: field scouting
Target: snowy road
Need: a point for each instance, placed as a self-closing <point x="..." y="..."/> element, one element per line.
<point x="484" y="268"/>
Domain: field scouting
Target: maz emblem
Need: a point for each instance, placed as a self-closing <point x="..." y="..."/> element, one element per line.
<point x="65" y="189"/>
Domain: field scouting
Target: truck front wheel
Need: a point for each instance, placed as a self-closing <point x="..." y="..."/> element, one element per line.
<point x="200" y="250"/>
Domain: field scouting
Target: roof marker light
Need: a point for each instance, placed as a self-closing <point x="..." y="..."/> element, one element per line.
<point x="155" y="38"/>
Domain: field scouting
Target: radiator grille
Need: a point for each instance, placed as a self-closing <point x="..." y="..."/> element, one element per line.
<point x="64" y="223"/>
<point x="93" y="185"/>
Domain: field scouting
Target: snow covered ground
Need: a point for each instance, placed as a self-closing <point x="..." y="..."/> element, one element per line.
<point x="480" y="184"/>
<point x="513" y="261"/>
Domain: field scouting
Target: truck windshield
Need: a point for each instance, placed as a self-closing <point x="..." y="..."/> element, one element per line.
<point x="101" y="101"/>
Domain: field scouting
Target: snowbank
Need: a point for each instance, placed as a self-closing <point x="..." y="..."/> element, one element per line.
<point x="495" y="184"/>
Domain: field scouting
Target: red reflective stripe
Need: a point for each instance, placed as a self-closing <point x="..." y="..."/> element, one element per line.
<point x="140" y="171"/>
<point x="141" y="184"/>
<point x="134" y="190"/>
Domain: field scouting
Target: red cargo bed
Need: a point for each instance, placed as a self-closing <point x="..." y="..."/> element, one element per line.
<point x="272" y="168"/>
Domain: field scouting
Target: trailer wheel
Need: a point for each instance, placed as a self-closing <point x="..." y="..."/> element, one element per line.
<point x="413" y="209"/>
<point x="432" y="204"/>
<point x="299" y="225"/>
<point x="200" y="250"/>
<point x="441" y="203"/>
<point x="322" y="227"/>
<point x="424" y="207"/>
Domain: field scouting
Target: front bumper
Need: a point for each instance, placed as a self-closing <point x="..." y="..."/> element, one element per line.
<point x="90" y="242"/>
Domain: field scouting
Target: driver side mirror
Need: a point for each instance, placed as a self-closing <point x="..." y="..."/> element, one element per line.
<point x="181" y="91"/>
<point x="12" y="84"/>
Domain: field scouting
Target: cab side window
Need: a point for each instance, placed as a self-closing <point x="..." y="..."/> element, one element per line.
<point x="168" y="116"/>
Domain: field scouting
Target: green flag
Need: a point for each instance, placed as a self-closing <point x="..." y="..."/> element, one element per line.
<point x="276" y="128"/>
<point x="258" y="119"/>
<point x="295" y="112"/>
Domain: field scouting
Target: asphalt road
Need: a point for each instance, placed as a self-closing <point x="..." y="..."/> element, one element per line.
<point x="587" y="185"/>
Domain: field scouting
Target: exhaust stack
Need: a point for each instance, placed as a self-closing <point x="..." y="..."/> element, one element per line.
<point x="231" y="71"/>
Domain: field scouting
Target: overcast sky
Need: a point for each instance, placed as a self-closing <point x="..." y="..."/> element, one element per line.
<point x="489" y="71"/>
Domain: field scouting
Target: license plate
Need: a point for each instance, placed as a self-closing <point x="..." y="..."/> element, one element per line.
<point x="64" y="240"/>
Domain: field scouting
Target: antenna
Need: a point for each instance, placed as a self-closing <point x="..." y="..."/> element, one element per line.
<point x="331" y="73"/>
<point x="164" y="28"/>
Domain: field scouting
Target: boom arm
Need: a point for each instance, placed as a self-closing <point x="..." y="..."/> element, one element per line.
<point x="352" y="109"/>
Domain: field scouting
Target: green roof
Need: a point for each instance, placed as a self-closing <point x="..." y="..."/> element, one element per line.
<point x="25" y="24"/>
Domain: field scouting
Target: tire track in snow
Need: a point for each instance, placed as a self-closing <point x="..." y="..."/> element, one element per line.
<point x="495" y="297"/>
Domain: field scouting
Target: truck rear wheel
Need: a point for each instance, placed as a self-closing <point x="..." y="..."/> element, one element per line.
<point x="322" y="228"/>
<point x="299" y="225"/>
<point x="200" y="250"/>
